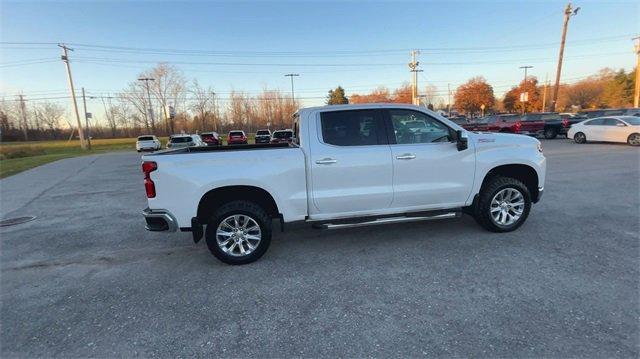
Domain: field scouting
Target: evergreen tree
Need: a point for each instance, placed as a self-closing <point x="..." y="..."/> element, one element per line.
<point x="337" y="97"/>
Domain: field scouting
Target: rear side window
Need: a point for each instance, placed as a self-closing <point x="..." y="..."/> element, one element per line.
<point x="351" y="128"/>
<point x="282" y="134"/>
<point x="596" y="122"/>
<point x="145" y="138"/>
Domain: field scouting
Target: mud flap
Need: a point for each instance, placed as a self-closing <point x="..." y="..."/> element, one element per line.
<point x="196" y="230"/>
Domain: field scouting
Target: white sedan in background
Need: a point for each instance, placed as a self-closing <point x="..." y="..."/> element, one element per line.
<point x="607" y="129"/>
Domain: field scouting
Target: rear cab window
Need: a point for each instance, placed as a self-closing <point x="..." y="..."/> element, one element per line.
<point x="181" y="139"/>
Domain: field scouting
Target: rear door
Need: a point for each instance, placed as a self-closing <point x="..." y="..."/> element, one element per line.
<point x="428" y="170"/>
<point x="351" y="168"/>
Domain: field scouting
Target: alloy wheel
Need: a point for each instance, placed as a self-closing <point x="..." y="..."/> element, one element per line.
<point x="238" y="235"/>
<point x="507" y="206"/>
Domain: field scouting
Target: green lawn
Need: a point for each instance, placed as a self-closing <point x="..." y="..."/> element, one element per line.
<point x="16" y="157"/>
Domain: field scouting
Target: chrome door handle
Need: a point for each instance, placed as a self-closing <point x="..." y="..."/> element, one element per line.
<point x="326" y="161"/>
<point x="406" y="156"/>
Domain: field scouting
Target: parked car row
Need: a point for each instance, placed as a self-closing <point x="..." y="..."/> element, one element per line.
<point x="547" y="124"/>
<point x="235" y="137"/>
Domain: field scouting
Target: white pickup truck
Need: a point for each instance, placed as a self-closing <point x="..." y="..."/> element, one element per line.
<point x="347" y="165"/>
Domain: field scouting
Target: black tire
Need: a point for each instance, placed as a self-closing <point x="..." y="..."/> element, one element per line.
<point x="580" y="137"/>
<point x="482" y="210"/>
<point x="246" y="208"/>
<point x="634" y="139"/>
<point x="550" y="133"/>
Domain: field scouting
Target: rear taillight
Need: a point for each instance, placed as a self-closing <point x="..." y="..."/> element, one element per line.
<point x="149" y="186"/>
<point x="518" y="126"/>
<point x="565" y="123"/>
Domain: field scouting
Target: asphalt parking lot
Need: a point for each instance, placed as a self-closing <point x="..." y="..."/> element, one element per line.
<point x="85" y="278"/>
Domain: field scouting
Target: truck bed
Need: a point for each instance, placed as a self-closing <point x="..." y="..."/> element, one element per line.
<point x="200" y="149"/>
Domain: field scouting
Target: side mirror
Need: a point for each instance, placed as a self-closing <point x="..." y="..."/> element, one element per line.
<point x="462" y="140"/>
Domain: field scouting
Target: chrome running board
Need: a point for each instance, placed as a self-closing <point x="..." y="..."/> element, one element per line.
<point x="388" y="220"/>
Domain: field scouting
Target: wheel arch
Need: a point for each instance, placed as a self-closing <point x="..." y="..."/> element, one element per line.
<point x="522" y="172"/>
<point x="217" y="197"/>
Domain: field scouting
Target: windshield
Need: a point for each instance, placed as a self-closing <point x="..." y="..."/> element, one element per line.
<point x="180" y="139"/>
<point x="262" y="133"/>
<point x="282" y="134"/>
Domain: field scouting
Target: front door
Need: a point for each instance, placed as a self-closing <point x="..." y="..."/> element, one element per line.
<point x="351" y="168"/>
<point x="428" y="170"/>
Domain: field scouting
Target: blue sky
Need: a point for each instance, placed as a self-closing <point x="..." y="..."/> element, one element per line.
<point x="358" y="45"/>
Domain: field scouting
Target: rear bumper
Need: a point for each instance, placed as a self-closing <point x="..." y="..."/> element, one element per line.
<point x="159" y="220"/>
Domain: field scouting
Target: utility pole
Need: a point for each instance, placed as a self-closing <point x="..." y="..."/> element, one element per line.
<point x="215" y="111"/>
<point x="449" y="100"/>
<point x="293" y="98"/>
<point x="568" y="13"/>
<point x="413" y="65"/>
<point x="86" y="120"/>
<point x="525" y="84"/>
<point x="65" y="59"/>
<point x="544" y="93"/>
<point x="636" y="94"/>
<point x="23" y="112"/>
<point x="150" y="109"/>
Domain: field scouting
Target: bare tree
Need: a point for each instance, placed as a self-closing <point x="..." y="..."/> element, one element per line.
<point x="110" y="113"/>
<point x="203" y="105"/>
<point x="135" y="95"/>
<point x="50" y="114"/>
<point x="169" y="89"/>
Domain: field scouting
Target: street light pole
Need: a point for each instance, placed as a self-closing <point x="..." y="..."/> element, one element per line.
<point x="525" y="84"/>
<point x="150" y="110"/>
<point x="568" y="13"/>
<point x="293" y="98"/>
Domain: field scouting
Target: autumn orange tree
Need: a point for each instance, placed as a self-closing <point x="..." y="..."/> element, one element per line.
<point x="382" y="94"/>
<point x="472" y="95"/>
<point x="512" y="103"/>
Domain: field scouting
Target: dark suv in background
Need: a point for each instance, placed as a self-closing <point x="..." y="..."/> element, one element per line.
<point x="281" y="136"/>
<point x="263" y="136"/>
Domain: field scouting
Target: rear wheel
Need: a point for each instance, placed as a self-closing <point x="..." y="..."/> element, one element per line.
<point x="580" y="137"/>
<point x="239" y="232"/>
<point x="634" y="139"/>
<point x="550" y="133"/>
<point x="503" y="204"/>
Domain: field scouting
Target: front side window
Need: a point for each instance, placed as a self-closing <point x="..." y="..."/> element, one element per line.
<point x="416" y="127"/>
<point x="611" y="122"/>
<point x="350" y="128"/>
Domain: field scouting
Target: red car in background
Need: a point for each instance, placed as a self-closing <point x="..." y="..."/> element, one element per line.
<point x="237" y="138"/>
<point x="507" y="123"/>
<point x="211" y="138"/>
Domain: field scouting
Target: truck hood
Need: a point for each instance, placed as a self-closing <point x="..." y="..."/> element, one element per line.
<point x="491" y="139"/>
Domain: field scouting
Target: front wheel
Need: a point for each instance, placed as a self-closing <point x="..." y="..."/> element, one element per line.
<point x="634" y="139"/>
<point x="503" y="204"/>
<point x="550" y="133"/>
<point x="239" y="232"/>
<point x="580" y="137"/>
